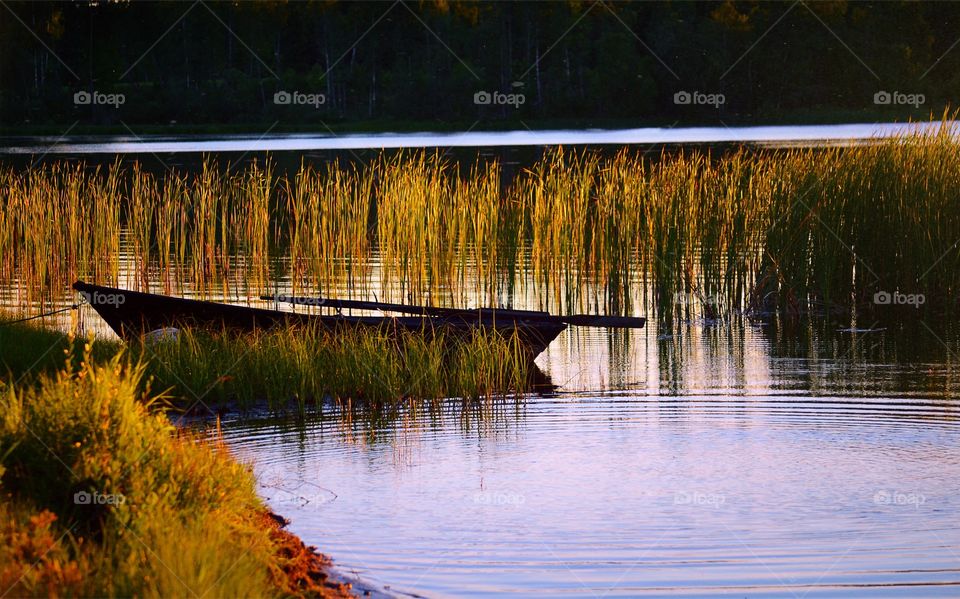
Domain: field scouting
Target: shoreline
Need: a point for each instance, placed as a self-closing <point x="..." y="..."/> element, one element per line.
<point x="761" y="136"/>
<point x="182" y="510"/>
<point x="307" y="571"/>
<point x="355" y="127"/>
<point x="364" y="588"/>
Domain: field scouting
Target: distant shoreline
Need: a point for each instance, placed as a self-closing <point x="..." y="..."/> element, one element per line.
<point x="447" y="126"/>
<point x="773" y="136"/>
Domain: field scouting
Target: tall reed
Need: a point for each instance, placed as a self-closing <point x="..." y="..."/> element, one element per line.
<point x="686" y="233"/>
<point x="360" y="367"/>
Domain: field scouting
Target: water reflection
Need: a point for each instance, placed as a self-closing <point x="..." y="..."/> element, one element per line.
<point x="734" y="469"/>
<point x="752" y="459"/>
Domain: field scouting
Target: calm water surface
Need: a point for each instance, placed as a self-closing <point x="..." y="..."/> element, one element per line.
<point x="723" y="459"/>
<point x="159" y="144"/>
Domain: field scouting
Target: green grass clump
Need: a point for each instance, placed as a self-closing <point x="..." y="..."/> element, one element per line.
<point x="300" y="367"/>
<point x="101" y="496"/>
<point x="176" y="517"/>
<point x="28" y="349"/>
<point x="359" y="367"/>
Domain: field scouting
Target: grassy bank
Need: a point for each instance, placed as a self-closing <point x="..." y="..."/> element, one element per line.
<point x="781" y="229"/>
<point x="101" y="496"/>
<point x="297" y="368"/>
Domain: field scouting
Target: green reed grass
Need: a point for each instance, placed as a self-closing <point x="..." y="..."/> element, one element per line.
<point x="764" y="229"/>
<point x="352" y="367"/>
<point x="414" y="212"/>
<point x="302" y="367"/>
<point x="328" y="219"/>
<point x="28" y="350"/>
<point x="250" y="224"/>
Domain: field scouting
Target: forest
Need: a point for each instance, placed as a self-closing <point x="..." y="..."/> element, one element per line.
<point x="455" y="63"/>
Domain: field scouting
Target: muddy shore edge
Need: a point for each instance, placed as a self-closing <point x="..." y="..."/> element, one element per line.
<point x="310" y="573"/>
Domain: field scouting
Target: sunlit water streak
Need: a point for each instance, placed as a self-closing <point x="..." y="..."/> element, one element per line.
<point x="774" y="136"/>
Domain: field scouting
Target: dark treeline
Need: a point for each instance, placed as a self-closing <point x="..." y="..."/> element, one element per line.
<point x="220" y="63"/>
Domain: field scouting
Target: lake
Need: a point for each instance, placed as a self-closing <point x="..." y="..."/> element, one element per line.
<point x="753" y="457"/>
<point x="724" y="459"/>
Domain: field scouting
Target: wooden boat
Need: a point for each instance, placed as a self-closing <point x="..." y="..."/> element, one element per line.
<point x="132" y="314"/>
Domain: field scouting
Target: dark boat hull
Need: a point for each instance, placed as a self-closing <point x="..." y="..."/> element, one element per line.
<point x="132" y="313"/>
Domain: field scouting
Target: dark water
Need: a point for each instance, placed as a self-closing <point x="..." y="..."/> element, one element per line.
<point x="723" y="459"/>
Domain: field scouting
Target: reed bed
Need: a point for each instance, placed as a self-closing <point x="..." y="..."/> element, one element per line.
<point x="439" y="233"/>
<point x="685" y="234"/>
<point x="297" y="369"/>
<point x="360" y="368"/>
<point x="328" y="219"/>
